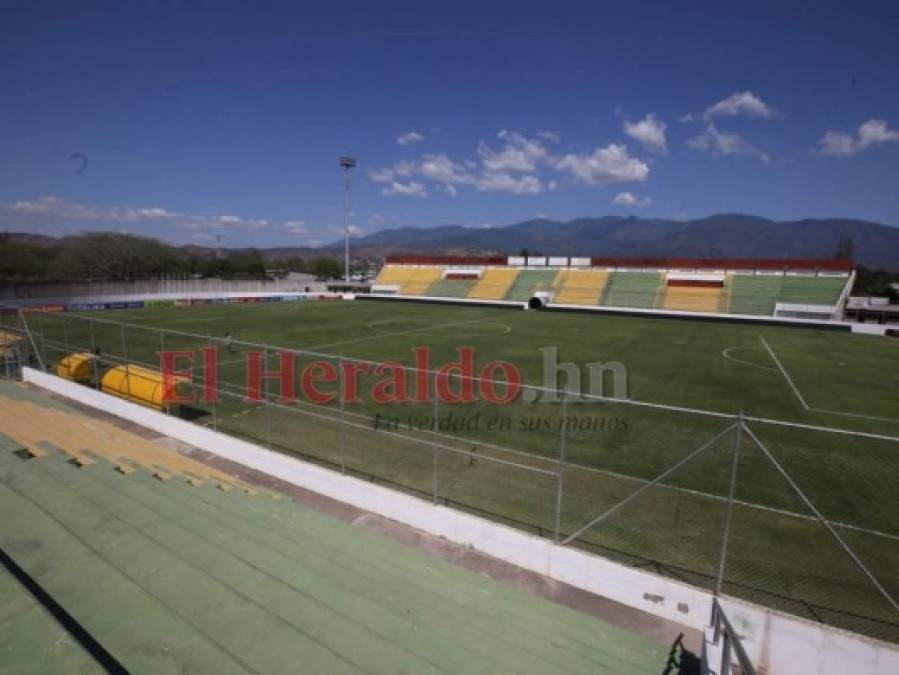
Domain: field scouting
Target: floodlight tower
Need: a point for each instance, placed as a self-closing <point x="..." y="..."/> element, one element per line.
<point x="347" y="164"/>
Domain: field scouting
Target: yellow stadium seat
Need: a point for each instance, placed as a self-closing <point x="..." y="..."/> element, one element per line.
<point x="693" y="298"/>
<point x="580" y="287"/>
<point x="494" y="284"/>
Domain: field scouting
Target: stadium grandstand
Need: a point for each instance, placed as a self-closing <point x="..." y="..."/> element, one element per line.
<point x="742" y="478"/>
<point x="123" y="555"/>
<point x="804" y="289"/>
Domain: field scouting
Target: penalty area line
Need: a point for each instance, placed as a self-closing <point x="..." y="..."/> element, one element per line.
<point x="809" y="408"/>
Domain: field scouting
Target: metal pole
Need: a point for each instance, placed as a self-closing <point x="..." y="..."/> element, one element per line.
<point x="162" y="349"/>
<point x="40" y="320"/>
<point x="125" y="358"/>
<point x="215" y="421"/>
<point x="883" y="591"/>
<point x="347" y="164"/>
<point x="346" y="226"/>
<point x="268" y="405"/>
<point x="560" y="470"/>
<point x="37" y="354"/>
<point x="730" y="506"/>
<point x="342" y="382"/>
<point x="65" y="336"/>
<point x="655" y="481"/>
<point x="434" y="432"/>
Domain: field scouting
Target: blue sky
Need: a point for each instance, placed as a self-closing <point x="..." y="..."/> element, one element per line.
<point x="226" y="120"/>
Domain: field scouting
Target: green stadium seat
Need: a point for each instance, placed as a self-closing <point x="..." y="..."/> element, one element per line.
<point x="633" y="289"/>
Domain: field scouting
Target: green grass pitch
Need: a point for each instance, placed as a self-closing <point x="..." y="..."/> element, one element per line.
<point x="777" y="554"/>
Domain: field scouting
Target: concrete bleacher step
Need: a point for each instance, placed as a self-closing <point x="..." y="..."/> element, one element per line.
<point x="451" y="288"/>
<point x="339" y="562"/>
<point x="99" y="596"/>
<point x="31" y="639"/>
<point x="528" y="282"/>
<point x="151" y="553"/>
<point x="392" y="586"/>
<point x="362" y="553"/>
<point x="633" y="289"/>
<point x="493" y="284"/>
<point x="31" y="422"/>
<point x="34" y="433"/>
<point x="580" y="287"/>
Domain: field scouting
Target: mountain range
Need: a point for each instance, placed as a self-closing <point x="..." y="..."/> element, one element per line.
<point x="719" y="236"/>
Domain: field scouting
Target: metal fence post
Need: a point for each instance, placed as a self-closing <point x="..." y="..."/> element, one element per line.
<point x="125" y="359"/>
<point x="268" y="403"/>
<point x="40" y="320"/>
<point x="434" y="430"/>
<point x="730" y="507"/>
<point x="95" y="356"/>
<point x="37" y="353"/>
<point x="560" y="469"/>
<point x="65" y="337"/>
<point x="215" y="423"/>
<point x="342" y="381"/>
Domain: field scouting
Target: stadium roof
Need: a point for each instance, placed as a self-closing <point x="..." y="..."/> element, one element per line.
<point x="836" y="265"/>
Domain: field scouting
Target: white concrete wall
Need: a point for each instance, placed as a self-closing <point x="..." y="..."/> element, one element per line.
<point x="778" y="644"/>
<point x="871" y="328"/>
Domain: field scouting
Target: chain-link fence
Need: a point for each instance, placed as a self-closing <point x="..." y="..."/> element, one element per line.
<point x="803" y="519"/>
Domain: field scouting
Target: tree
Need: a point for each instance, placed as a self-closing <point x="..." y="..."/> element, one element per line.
<point x="325" y="268"/>
<point x="845" y="249"/>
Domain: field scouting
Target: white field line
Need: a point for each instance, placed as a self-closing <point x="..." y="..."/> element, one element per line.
<point x="784" y="373"/>
<point x="727" y="355"/>
<point x="404" y="332"/>
<point x="811" y="408"/>
<point x="427" y="442"/>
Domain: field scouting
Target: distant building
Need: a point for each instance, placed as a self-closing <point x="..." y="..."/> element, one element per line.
<point x="871" y="310"/>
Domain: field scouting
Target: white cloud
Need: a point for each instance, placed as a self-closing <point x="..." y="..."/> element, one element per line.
<point x="872" y="132"/>
<point x="516" y="167"/>
<point x="722" y="143"/>
<point x="650" y="131"/>
<point x="505" y="182"/>
<point x="628" y="199"/>
<point x="410" y="189"/>
<point x="742" y="103"/>
<point x="409" y="138"/>
<point x="611" y="164"/>
<point x="295" y="227"/>
<point x="687" y="118"/>
<point x="57" y="211"/>
<point x="442" y="169"/>
<point x="518" y="154"/>
<point x="549" y="136"/>
<point x="838" y="144"/>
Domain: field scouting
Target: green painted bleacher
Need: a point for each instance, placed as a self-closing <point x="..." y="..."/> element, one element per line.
<point x="170" y="577"/>
<point x="451" y="288"/>
<point x="812" y="290"/>
<point x="632" y="289"/>
<point x="529" y="281"/>
<point x="752" y="294"/>
<point x="31" y="640"/>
